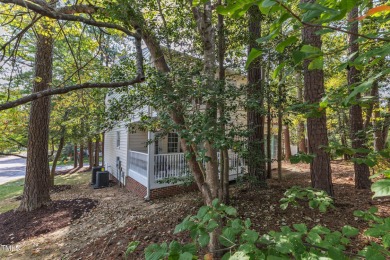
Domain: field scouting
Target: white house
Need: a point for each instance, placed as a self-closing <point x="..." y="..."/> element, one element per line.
<point x="142" y="168"/>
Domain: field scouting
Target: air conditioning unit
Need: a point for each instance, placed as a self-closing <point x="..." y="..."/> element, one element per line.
<point x="102" y="180"/>
<point x="94" y="171"/>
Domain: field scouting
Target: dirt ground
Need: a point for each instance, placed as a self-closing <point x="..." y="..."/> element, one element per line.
<point x="120" y="217"/>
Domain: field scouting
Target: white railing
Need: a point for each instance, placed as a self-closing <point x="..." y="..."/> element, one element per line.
<point x="138" y="162"/>
<point x="175" y="165"/>
<point x="170" y="165"/>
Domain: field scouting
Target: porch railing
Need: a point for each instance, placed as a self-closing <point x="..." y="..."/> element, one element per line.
<point x="138" y="162"/>
<point x="175" y="165"/>
<point x="170" y="165"/>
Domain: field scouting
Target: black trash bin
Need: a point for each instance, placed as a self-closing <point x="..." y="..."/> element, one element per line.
<point x="94" y="171"/>
<point x="102" y="179"/>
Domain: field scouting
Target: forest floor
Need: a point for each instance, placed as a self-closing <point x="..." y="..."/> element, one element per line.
<point x="108" y="219"/>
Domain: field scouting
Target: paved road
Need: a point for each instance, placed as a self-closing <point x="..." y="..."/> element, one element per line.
<point x="13" y="168"/>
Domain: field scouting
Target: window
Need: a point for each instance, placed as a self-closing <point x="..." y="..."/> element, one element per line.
<point x="118" y="139"/>
<point x="173" y="143"/>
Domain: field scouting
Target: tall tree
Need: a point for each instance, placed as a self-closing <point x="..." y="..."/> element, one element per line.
<point x="37" y="181"/>
<point x="320" y="170"/>
<point x="362" y="172"/>
<point x="255" y="118"/>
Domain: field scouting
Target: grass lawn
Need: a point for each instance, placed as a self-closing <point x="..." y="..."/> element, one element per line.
<point x="70" y="162"/>
<point x="10" y="190"/>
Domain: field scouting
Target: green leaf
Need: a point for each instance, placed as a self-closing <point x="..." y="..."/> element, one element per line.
<point x="386" y="240"/>
<point x="316" y="64"/>
<point x="360" y="88"/>
<point x="349" y="231"/>
<point x="300" y="227"/>
<point x="155" y="252"/>
<point x="310" y="49"/>
<point x="231" y="211"/>
<point x="186" y="256"/>
<point x="204" y="238"/>
<point x="190" y="247"/>
<point x="250" y="236"/>
<point x="374" y="232"/>
<point x="227" y="238"/>
<point x="268" y="3"/>
<point x="381" y="188"/>
<point x="202" y="211"/>
<point x="314" y="238"/>
<point x="336" y="253"/>
<point x="281" y="46"/>
<point x="212" y="225"/>
<point x="247" y="223"/>
<point x="239" y="255"/>
<point x="131" y="247"/>
<point x="254" y="54"/>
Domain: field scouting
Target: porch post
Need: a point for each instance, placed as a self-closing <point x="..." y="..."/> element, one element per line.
<point x="150" y="164"/>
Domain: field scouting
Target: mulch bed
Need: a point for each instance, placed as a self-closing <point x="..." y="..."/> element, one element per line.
<point x="59" y="188"/>
<point x="16" y="226"/>
<point x="260" y="205"/>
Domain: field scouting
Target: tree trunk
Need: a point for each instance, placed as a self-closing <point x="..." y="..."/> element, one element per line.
<point x="37" y="181"/>
<point x="301" y="125"/>
<point x="362" y="172"/>
<point x="75" y="156"/>
<point x="56" y="158"/>
<point x="379" y="143"/>
<point x="269" y="124"/>
<point x="287" y="147"/>
<point x="81" y="156"/>
<point x="280" y="129"/>
<point x="255" y="119"/>
<point x="224" y="166"/>
<point x="320" y="171"/>
<point x="97" y="152"/>
<point x="90" y="154"/>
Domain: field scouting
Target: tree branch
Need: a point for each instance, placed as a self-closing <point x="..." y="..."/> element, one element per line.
<point x="45" y="10"/>
<point x="11" y="154"/>
<point x="60" y="91"/>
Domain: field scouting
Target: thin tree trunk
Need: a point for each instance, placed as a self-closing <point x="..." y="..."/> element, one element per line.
<point x="320" y="171"/>
<point x="90" y="154"/>
<point x="75" y="156"/>
<point x="56" y="158"/>
<point x="255" y="119"/>
<point x="280" y="129"/>
<point x="269" y="124"/>
<point x="224" y="179"/>
<point x="301" y="125"/>
<point x="37" y="181"/>
<point x="379" y="143"/>
<point x="287" y="146"/>
<point x="343" y="136"/>
<point x="362" y="172"/>
<point x="81" y="162"/>
<point x="97" y="152"/>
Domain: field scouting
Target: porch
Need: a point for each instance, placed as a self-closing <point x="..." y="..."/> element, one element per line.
<point x="151" y="170"/>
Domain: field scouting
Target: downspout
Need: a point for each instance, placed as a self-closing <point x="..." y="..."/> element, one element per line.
<point x="147" y="197"/>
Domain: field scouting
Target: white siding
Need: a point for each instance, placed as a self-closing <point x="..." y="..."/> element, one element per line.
<point x="112" y="151"/>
